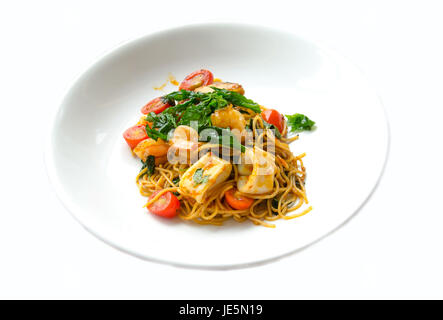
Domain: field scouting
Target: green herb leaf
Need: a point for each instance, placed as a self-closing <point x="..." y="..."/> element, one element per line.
<point x="168" y="100"/>
<point x="197" y="113"/>
<point x="179" y="95"/>
<point x="162" y="124"/>
<point x="175" y="181"/>
<point x="272" y="127"/>
<point x="238" y="100"/>
<point x="155" y="134"/>
<point x="274" y="203"/>
<point x="198" y="177"/>
<point x="218" y="133"/>
<point x="150" y="164"/>
<point x="300" y="122"/>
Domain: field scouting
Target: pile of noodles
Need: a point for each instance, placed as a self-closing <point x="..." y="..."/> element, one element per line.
<point x="285" y="201"/>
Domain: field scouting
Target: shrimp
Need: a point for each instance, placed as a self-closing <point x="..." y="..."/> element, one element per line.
<point x="184" y="148"/>
<point x="150" y="147"/>
<point x="229" y="118"/>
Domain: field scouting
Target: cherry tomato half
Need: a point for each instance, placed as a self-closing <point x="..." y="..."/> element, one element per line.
<point x="134" y="135"/>
<point x="157" y="105"/>
<point x="197" y="79"/>
<point x="166" y="206"/>
<point x="274" y="117"/>
<point x="237" y="201"/>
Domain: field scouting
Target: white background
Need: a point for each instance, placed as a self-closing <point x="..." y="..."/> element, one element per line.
<point x="391" y="249"/>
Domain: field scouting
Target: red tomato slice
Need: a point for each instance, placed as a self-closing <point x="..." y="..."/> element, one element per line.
<point x="134" y="135"/>
<point x="197" y="79"/>
<point x="237" y="201"/>
<point x="166" y="206"/>
<point x="273" y="117"/>
<point x="157" y="105"/>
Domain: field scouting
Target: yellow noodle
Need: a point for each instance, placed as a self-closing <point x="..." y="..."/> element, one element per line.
<point x="288" y="195"/>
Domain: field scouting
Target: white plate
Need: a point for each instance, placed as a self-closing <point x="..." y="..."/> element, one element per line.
<point x="93" y="171"/>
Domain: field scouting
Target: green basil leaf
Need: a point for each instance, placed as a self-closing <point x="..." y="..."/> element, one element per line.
<point x="199" y="178"/>
<point x="272" y="127"/>
<point x="238" y="100"/>
<point x="300" y="122"/>
<point x="150" y="164"/>
<point x="218" y="133"/>
<point x="162" y="124"/>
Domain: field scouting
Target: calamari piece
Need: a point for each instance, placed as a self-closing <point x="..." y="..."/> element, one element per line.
<point x="256" y="173"/>
<point x="208" y="172"/>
